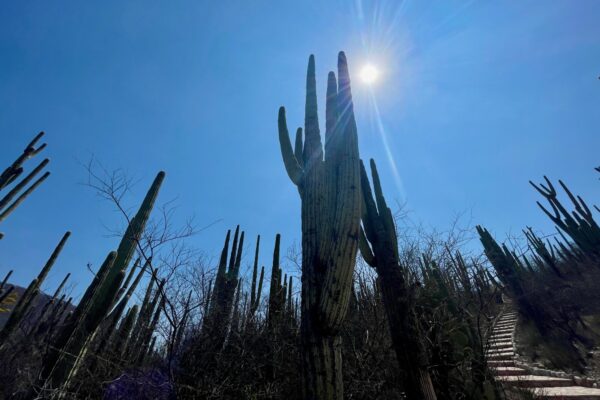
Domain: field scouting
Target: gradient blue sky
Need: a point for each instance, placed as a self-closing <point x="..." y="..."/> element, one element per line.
<point x="475" y="99"/>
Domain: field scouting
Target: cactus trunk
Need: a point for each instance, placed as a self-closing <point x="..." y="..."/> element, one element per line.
<point x="329" y="188"/>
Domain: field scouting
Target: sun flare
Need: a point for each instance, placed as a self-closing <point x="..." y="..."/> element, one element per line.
<point x="369" y="74"/>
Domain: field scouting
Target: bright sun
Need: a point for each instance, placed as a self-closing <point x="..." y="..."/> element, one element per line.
<point x="369" y="74"/>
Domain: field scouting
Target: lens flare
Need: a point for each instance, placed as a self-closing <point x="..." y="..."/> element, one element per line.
<point x="369" y="74"/>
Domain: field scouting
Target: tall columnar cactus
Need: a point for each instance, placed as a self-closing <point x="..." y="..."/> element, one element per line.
<point x="329" y="187"/>
<point x="50" y="304"/>
<point x="12" y="173"/>
<point x="124" y="330"/>
<point x="24" y="303"/>
<point x="379" y="247"/>
<point x="277" y="290"/>
<point x="6" y="278"/>
<point x="143" y="326"/>
<point x="69" y="350"/>
<point x="146" y="337"/>
<point x="543" y="254"/>
<point x="578" y="224"/>
<point x="5" y="291"/>
<point x="145" y="312"/>
<point x="255" y="292"/>
<point x="221" y="304"/>
<point x="510" y="272"/>
<point x="108" y="328"/>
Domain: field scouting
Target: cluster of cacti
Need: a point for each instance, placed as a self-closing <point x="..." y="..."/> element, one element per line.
<point x="8" y="203"/>
<point x="416" y="322"/>
<point x="22" y="307"/>
<point x="578" y="224"/>
<point x="224" y="293"/>
<point x="329" y="185"/>
<point x="70" y="347"/>
<point x="542" y="279"/>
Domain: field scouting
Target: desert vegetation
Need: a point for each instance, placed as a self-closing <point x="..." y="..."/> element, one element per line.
<point x="367" y="307"/>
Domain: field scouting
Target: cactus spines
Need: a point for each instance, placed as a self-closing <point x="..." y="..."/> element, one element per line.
<point x="379" y="246"/>
<point x="329" y="187"/>
<point x="22" y="306"/>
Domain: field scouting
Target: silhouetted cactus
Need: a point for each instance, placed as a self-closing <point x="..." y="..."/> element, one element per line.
<point x="51" y="303"/>
<point x="217" y="321"/>
<point x="379" y="247"/>
<point x="144" y="329"/>
<point x="277" y="291"/>
<point x="329" y="188"/>
<point x="12" y="173"/>
<point x="124" y="331"/>
<point x="255" y="292"/>
<point x="24" y="303"/>
<point x="6" y="278"/>
<point x="578" y="224"/>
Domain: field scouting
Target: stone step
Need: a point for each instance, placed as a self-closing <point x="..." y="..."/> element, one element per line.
<point x="500" y="341"/>
<point x="535" y="381"/>
<point x="500" y="356"/>
<point x="509" y="371"/>
<point x="502" y="326"/>
<point x="506" y="321"/>
<point x="503" y="329"/>
<point x="510" y="353"/>
<point x="500" y="363"/>
<point x="505" y="336"/>
<point x="568" y="392"/>
<point x="500" y="347"/>
<point x="504" y="332"/>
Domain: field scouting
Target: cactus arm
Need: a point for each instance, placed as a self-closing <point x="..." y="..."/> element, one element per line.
<point x="298" y="147"/>
<point x="331" y="118"/>
<point x="290" y="162"/>
<point x="313" y="149"/>
<point x="335" y="295"/>
<point x="254" y="273"/>
<point x="18" y="187"/>
<point x="23" y="196"/>
<point x="365" y="249"/>
<point x="6" y="278"/>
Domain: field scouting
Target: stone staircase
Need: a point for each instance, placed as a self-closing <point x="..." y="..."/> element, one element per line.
<point x="501" y="359"/>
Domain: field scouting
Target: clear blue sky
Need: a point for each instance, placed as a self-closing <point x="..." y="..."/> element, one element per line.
<point x="475" y="98"/>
